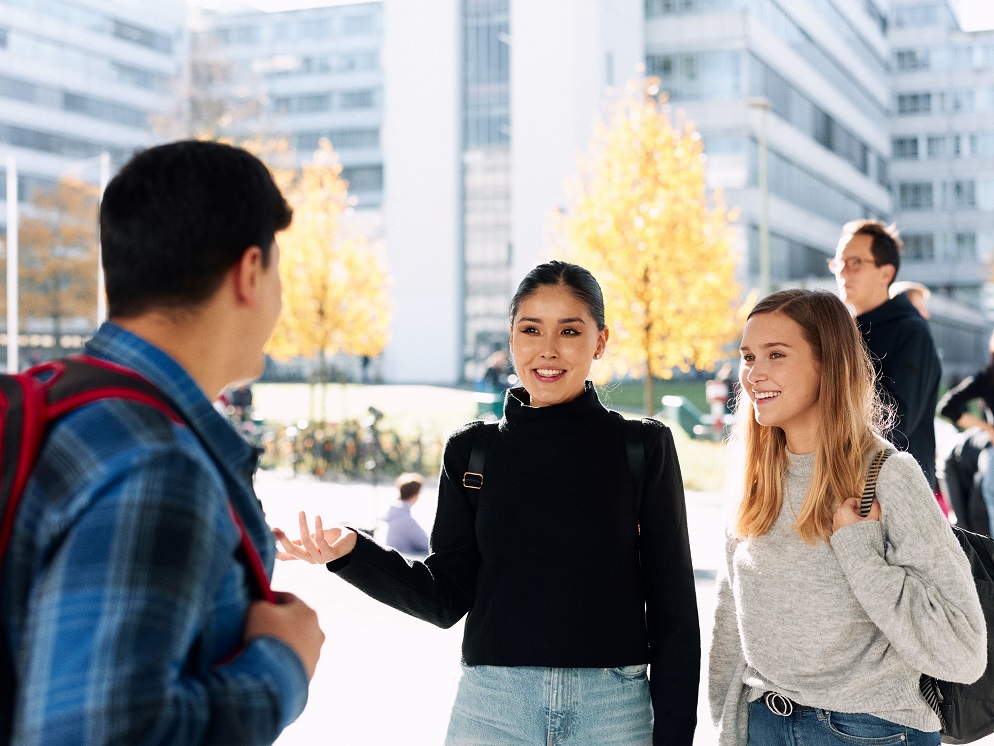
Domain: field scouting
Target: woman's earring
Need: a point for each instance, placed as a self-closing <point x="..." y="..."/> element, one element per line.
<point x="597" y="356"/>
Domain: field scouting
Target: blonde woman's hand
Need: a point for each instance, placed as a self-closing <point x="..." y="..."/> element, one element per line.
<point x="848" y="514"/>
<point x="320" y="547"/>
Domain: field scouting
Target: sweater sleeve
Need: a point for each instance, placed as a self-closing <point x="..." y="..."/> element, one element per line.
<point x="671" y="598"/>
<point x="440" y="589"/>
<point x="726" y="665"/>
<point x="912" y="578"/>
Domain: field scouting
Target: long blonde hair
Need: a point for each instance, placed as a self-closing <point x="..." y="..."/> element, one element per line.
<point x="851" y="414"/>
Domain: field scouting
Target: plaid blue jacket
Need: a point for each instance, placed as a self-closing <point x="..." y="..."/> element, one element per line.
<point x="122" y="596"/>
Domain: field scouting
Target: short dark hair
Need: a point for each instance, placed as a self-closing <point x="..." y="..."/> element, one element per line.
<point x="409" y="484"/>
<point x="886" y="241"/>
<point x="178" y="216"/>
<point x="577" y="280"/>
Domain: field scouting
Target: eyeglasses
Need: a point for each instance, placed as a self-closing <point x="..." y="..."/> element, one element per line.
<point x="853" y="264"/>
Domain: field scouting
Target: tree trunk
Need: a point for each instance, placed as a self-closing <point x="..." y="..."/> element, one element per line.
<point x="648" y="400"/>
<point x="322" y="388"/>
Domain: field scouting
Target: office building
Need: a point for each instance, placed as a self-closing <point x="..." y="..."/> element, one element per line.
<point x="942" y="147"/>
<point x="79" y="78"/>
<point x="302" y="74"/>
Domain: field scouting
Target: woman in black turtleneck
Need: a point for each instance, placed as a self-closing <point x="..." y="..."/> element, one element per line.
<point x="569" y="593"/>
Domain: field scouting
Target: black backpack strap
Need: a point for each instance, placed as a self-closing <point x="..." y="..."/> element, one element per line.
<point x="635" y="453"/>
<point x="472" y="478"/>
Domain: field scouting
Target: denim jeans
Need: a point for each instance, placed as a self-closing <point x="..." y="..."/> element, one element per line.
<point x="498" y="706"/>
<point x="824" y="728"/>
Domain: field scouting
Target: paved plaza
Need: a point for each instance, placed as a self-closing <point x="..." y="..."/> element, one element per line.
<point x="386" y="679"/>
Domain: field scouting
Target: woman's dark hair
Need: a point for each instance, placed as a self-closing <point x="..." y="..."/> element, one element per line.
<point x="572" y="277"/>
<point x="178" y="216"/>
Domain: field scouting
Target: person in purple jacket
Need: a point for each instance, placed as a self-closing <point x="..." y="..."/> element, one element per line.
<point x="404" y="533"/>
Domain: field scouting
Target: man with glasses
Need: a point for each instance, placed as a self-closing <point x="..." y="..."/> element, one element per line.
<point x="908" y="370"/>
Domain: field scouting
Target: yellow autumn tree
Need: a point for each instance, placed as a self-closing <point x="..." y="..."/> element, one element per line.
<point x="335" y="283"/>
<point x="57" y="254"/>
<point x="641" y="220"/>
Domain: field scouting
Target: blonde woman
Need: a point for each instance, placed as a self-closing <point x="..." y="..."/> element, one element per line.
<point x="826" y="619"/>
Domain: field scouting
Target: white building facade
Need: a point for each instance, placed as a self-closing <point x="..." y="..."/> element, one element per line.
<point x="942" y="144"/>
<point x="83" y="77"/>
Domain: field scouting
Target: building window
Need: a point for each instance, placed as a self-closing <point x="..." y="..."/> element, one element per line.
<point x="914" y="103"/>
<point x="912" y="59"/>
<point x="958" y="102"/>
<point x="966" y="246"/>
<point x="919" y="247"/>
<point x="354" y="25"/>
<point x="143" y="36"/>
<point x="357" y="99"/>
<point x="3" y="38"/>
<point x="942" y="146"/>
<point x="364" y="178"/>
<point x="964" y="194"/>
<point x="915" y="196"/>
<point x="905" y="148"/>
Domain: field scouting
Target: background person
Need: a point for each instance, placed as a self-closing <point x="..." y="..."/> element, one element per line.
<point x="917" y="293"/>
<point x="404" y="533"/>
<point x="569" y="592"/>
<point x="130" y="617"/>
<point x="901" y="347"/>
<point x="980" y="431"/>
<point x="825" y="620"/>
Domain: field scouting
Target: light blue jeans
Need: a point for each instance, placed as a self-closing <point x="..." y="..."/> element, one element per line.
<point x="522" y="706"/>
<point x="823" y="728"/>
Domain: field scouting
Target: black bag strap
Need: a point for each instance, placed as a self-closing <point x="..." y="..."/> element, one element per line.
<point x="635" y="453"/>
<point x="926" y="684"/>
<point x="472" y="478"/>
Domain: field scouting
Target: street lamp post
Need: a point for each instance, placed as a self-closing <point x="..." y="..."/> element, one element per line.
<point x="763" y="104"/>
<point x="13" y="329"/>
<point x="12" y="249"/>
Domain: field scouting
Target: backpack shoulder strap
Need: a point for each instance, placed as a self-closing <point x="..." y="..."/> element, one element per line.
<point x="635" y="453"/>
<point x="472" y="478"/>
<point x="870" y="487"/>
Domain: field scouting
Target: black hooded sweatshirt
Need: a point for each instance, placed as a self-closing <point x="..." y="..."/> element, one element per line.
<point x="908" y="373"/>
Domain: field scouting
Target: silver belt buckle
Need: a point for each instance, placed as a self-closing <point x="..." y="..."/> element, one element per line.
<point x="779" y="704"/>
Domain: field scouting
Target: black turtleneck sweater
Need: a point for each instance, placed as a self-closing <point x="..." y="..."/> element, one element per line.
<point x="545" y="559"/>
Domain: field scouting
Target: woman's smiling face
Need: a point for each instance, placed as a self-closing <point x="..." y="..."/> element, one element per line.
<point x="780" y="373"/>
<point x="554" y="339"/>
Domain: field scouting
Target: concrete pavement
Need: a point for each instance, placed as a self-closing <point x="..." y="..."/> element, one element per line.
<point x="386" y="679"/>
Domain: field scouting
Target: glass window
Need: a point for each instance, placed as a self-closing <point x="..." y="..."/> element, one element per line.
<point x="964" y="194"/>
<point x="357" y="99"/>
<point x="914" y="103"/>
<point x="915" y="196"/>
<point x="912" y="59"/>
<point x="905" y="148"/>
<point x="966" y="246"/>
<point x="982" y="144"/>
<point x="919" y="247"/>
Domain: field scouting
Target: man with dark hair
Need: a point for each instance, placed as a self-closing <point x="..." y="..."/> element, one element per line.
<point x="908" y="369"/>
<point x="132" y="583"/>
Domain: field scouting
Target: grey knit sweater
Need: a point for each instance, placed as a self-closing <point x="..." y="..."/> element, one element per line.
<point x="849" y="625"/>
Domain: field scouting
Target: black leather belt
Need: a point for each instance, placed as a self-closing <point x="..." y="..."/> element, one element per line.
<point x="783" y="706"/>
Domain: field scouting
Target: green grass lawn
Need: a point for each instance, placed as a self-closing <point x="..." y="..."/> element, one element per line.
<point x="435" y="411"/>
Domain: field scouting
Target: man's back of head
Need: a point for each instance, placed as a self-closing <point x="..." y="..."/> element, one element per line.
<point x="177" y="217"/>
